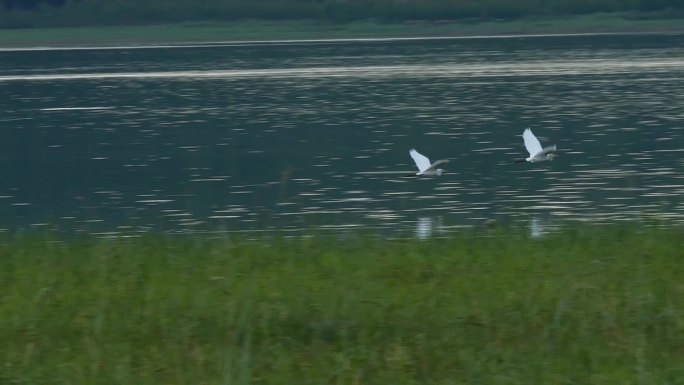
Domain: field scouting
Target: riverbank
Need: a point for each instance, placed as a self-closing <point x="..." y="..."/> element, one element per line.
<point x="254" y="30"/>
<point x="586" y="304"/>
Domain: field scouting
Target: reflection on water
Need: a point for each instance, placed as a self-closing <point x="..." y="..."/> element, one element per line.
<point x="254" y="137"/>
<point x="539" y="226"/>
<point x="510" y="69"/>
<point x="427" y="227"/>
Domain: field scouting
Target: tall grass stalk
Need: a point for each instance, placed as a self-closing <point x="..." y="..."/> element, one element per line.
<point x="592" y="304"/>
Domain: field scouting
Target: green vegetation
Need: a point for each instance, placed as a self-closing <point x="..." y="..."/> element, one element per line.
<point x="97" y="22"/>
<point x="595" y="304"/>
<point x="51" y="13"/>
<point x="269" y="30"/>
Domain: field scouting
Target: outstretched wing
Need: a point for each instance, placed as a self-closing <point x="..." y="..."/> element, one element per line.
<point x="422" y="161"/>
<point x="437" y="163"/>
<point x="548" y="149"/>
<point x="531" y="143"/>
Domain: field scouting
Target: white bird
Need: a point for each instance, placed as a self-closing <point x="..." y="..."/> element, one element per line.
<point x="424" y="165"/>
<point x="537" y="153"/>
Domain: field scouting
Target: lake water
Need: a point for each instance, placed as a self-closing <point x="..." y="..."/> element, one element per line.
<point x="294" y="135"/>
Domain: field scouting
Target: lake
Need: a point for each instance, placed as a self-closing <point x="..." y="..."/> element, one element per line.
<point x="291" y="136"/>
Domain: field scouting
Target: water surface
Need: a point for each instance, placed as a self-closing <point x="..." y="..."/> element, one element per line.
<point x="239" y="137"/>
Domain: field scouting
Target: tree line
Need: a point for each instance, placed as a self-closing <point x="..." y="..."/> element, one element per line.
<point x="37" y="13"/>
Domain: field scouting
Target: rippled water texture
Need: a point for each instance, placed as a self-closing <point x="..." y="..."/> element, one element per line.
<point x="289" y="136"/>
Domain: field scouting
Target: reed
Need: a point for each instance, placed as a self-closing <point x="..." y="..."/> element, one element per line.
<point x="587" y="304"/>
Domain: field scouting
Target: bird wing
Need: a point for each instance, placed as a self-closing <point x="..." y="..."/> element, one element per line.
<point x="437" y="163"/>
<point x="548" y="149"/>
<point x="531" y="142"/>
<point x="422" y="161"/>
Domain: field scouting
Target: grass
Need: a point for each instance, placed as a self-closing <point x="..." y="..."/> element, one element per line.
<point x="595" y="305"/>
<point x="264" y="30"/>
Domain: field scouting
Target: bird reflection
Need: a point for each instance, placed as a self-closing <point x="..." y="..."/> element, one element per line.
<point x="427" y="227"/>
<point x="537" y="227"/>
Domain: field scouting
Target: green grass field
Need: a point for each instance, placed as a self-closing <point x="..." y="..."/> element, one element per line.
<point x="586" y="305"/>
<point x="265" y="30"/>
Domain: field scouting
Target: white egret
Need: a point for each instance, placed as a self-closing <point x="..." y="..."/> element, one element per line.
<point x="424" y="165"/>
<point x="537" y="153"/>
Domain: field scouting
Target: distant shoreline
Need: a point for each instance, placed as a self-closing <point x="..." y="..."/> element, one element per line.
<point x="255" y="31"/>
<point x="188" y="44"/>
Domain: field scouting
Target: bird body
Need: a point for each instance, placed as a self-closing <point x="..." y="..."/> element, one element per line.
<point x="537" y="153"/>
<point x="424" y="165"/>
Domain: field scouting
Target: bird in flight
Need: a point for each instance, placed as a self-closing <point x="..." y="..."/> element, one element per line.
<point x="537" y="153"/>
<point x="424" y="165"/>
